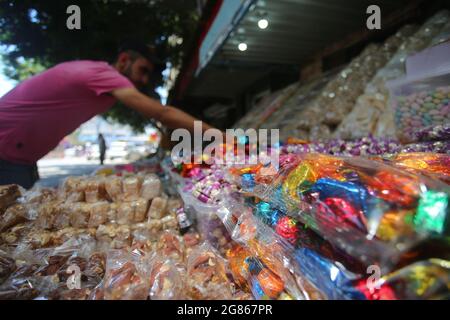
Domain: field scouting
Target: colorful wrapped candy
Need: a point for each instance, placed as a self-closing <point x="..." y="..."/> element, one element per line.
<point x="432" y="164"/>
<point x="424" y="280"/>
<point x="369" y="209"/>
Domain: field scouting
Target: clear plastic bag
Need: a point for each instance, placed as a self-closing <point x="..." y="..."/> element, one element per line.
<point x="207" y="275"/>
<point x="158" y="208"/>
<point x="99" y="214"/>
<point x="14" y="215"/>
<point x="423" y="280"/>
<point x="371" y="113"/>
<point x="95" y="190"/>
<point x="46" y="273"/>
<point x="167" y="279"/>
<point x="170" y="245"/>
<point x="208" y="224"/>
<point x="73" y="189"/>
<point x="125" y="279"/>
<point x="131" y="188"/>
<point x="113" y="187"/>
<point x="270" y="252"/>
<point x="434" y="165"/>
<point x="151" y="187"/>
<point x="370" y="210"/>
<point x="8" y="196"/>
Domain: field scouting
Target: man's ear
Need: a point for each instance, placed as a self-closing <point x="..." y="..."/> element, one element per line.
<point x="123" y="60"/>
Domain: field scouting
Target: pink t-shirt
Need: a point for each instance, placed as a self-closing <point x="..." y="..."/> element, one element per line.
<point x="44" y="109"/>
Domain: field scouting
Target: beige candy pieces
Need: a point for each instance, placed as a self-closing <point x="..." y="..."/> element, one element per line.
<point x="140" y="210"/>
<point x="98" y="214"/>
<point x="80" y="215"/>
<point x="113" y="186"/>
<point x="157" y="208"/>
<point x="151" y="187"/>
<point x="131" y="187"/>
<point x="62" y="216"/>
<point x="95" y="190"/>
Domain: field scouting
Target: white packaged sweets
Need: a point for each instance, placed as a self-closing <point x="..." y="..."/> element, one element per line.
<point x="140" y="210"/>
<point x="125" y="213"/>
<point x="157" y="208"/>
<point x="113" y="187"/>
<point x="131" y="187"/>
<point x="151" y="187"/>
<point x="99" y="214"/>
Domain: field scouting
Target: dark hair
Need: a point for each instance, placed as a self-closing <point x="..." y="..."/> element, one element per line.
<point x="140" y="48"/>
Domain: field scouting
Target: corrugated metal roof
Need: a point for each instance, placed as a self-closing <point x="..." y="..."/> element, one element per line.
<point x="297" y="30"/>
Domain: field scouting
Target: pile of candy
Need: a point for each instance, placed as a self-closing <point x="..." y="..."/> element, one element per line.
<point x="326" y="210"/>
<point x="433" y="140"/>
<point x="421" y="110"/>
<point x="352" y="202"/>
<point x="121" y="232"/>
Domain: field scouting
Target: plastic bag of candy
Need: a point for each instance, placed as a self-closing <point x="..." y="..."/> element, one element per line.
<point x="370" y="210"/>
<point x="207" y="277"/>
<point x="423" y="280"/>
<point x="274" y="252"/>
<point x="435" y="165"/>
<point x="126" y="277"/>
<point x="167" y="278"/>
<point x="209" y="225"/>
<point x="249" y="271"/>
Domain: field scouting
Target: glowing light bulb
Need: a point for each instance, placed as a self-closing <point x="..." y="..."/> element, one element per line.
<point x="242" y="46"/>
<point x="263" y="23"/>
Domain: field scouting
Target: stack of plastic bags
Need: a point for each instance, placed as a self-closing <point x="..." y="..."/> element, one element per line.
<point x="337" y="220"/>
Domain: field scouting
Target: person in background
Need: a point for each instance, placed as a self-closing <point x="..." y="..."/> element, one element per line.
<point x="102" y="148"/>
<point x="42" y="110"/>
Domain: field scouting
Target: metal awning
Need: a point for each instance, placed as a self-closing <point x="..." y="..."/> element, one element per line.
<point x="297" y="30"/>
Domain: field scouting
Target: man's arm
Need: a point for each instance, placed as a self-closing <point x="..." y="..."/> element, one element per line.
<point x="171" y="117"/>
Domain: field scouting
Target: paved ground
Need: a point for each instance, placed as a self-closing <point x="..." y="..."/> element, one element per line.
<point x="52" y="171"/>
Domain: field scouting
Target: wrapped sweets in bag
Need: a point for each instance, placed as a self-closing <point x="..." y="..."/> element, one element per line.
<point x="151" y="187"/>
<point x="125" y="278"/>
<point x="73" y="189"/>
<point x="95" y="190"/>
<point x="99" y="214"/>
<point x="207" y="275"/>
<point x="131" y="187"/>
<point x="167" y="279"/>
<point x="352" y="202"/>
<point x="113" y="187"/>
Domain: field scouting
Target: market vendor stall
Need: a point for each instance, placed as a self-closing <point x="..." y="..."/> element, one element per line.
<point x="356" y="207"/>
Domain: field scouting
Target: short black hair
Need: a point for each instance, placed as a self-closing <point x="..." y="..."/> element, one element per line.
<point x="142" y="49"/>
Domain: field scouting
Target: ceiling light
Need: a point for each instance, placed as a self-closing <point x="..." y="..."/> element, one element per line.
<point x="242" y="46"/>
<point x="263" y="23"/>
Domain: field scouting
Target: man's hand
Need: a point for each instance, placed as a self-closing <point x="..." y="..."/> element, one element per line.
<point x="171" y="117"/>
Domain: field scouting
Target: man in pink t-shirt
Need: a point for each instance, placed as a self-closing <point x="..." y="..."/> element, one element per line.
<point x="42" y="110"/>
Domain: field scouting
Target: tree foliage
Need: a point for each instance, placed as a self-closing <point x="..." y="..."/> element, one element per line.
<point x="36" y="36"/>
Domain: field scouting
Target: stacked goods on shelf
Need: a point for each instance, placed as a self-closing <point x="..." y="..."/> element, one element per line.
<point x="264" y="109"/>
<point x="435" y="140"/>
<point x="369" y="212"/>
<point x="421" y="100"/>
<point x="354" y="103"/>
<point x="371" y="114"/>
<point x="115" y="230"/>
<point x="179" y="268"/>
<point x="320" y="270"/>
<point x="202" y="188"/>
<point x="286" y="118"/>
<point x="320" y="114"/>
<point x="339" y="96"/>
